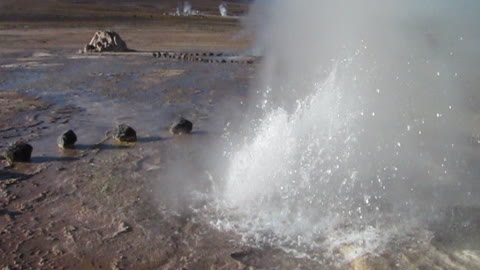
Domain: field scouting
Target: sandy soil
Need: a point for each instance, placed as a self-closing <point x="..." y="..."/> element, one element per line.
<point x="104" y="205"/>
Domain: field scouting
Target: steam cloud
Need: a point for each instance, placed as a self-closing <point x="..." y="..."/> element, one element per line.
<point x="364" y="113"/>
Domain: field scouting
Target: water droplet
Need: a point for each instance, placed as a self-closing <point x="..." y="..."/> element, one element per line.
<point x="378" y="91"/>
<point x="438" y="73"/>
<point x="367" y="199"/>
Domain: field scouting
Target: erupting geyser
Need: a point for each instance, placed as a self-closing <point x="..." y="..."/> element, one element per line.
<point x="362" y="122"/>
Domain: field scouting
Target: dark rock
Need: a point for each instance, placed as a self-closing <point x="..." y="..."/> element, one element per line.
<point x="89" y="48"/>
<point x="181" y="126"/>
<point x="18" y="152"/>
<point x="67" y="139"/>
<point x="241" y="255"/>
<point x="124" y="133"/>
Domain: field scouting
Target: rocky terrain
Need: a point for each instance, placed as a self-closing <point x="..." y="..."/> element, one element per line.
<point x="105" y="204"/>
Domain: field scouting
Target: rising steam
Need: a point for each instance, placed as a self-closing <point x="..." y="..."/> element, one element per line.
<point x="362" y="121"/>
<point x="223" y="9"/>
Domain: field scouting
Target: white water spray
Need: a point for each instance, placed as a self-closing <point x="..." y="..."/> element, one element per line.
<point x="363" y="127"/>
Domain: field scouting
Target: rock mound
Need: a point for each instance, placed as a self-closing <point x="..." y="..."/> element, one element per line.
<point x="106" y="41"/>
<point x="124" y="133"/>
<point x="67" y="139"/>
<point x="181" y="126"/>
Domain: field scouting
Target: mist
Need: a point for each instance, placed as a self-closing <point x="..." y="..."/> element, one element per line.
<point x="364" y="117"/>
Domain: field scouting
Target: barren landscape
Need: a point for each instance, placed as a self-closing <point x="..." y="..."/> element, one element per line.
<point x="146" y="204"/>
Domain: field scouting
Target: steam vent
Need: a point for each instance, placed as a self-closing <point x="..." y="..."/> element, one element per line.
<point x="106" y="41"/>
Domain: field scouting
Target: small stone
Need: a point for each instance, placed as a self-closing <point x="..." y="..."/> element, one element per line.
<point x="181" y="126"/>
<point x="124" y="133"/>
<point x="18" y="152"/>
<point x="67" y="139"/>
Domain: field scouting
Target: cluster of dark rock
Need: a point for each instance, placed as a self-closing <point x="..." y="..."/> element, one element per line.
<point x="110" y="41"/>
<point x="21" y="151"/>
<point x="170" y="54"/>
<point x="205" y="57"/>
<point x="106" y="41"/>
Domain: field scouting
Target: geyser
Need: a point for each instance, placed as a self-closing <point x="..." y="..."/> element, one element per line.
<point x="361" y="123"/>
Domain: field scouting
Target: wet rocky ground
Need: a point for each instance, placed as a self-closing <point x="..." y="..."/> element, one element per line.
<point x="95" y="206"/>
<point x="104" y="205"/>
